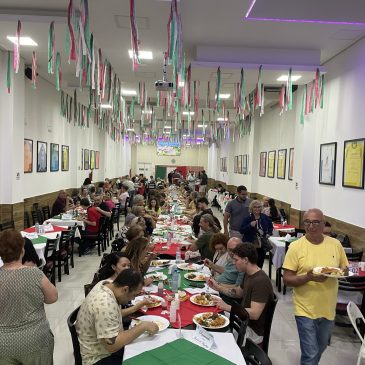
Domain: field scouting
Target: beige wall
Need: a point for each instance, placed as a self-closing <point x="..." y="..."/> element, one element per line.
<point x="196" y="156"/>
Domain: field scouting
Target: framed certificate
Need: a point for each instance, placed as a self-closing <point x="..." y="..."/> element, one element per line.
<point x="271" y="164"/>
<point x="280" y="173"/>
<point x="262" y="170"/>
<point x="353" y="164"/>
<point x="239" y="166"/>
<point x="235" y="164"/>
<point x="327" y="163"/>
<point x="244" y="164"/>
<point x="291" y="164"/>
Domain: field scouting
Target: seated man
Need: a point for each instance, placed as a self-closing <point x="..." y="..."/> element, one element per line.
<point x="99" y="322"/>
<point x="101" y="207"/>
<point x="327" y="230"/>
<point x="256" y="291"/>
<point x="59" y="206"/>
<point x="203" y="206"/>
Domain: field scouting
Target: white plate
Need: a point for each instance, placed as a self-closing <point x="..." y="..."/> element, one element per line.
<point x="157" y="276"/>
<point x="226" y="321"/>
<point x="196" y="273"/>
<point x="203" y="305"/>
<point x="161" y="322"/>
<point x="160" y="263"/>
<point x="188" y="267"/>
<point x="142" y="297"/>
<point x="317" y="271"/>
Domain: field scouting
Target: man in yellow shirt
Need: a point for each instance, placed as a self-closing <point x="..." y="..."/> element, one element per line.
<point x="314" y="296"/>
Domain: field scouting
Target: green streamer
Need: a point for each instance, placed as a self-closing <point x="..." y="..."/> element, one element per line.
<point x="218" y="101"/>
<point x="302" y="111"/>
<point x="51" y="48"/>
<point x="132" y="108"/>
<point x="322" y="91"/>
<point x="58" y="71"/>
<point x="290" y="91"/>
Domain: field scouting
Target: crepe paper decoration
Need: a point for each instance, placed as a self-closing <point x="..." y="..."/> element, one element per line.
<point x="282" y="99"/>
<point x="262" y="100"/>
<point x="70" y="17"/>
<point x="8" y="74"/>
<point x="34" y="70"/>
<point x="16" y="59"/>
<point x="51" y="49"/>
<point x="208" y="96"/>
<point x="92" y="61"/>
<point x="58" y="72"/>
<point x="289" y="91"/>
<point x="242" y="92"/>
<point x="258" y="97"/>
<point x="218" y="90"/>
<point x="75" y="106"/>
<point x="303" y="107"/>
<point x="322" y="91"/>
<point x="84" y="28"/>
<point x="317" y="93"/>
<point x="134" y="36"/>
<point x="189" y="85"/>
<point x="196" y="97"/>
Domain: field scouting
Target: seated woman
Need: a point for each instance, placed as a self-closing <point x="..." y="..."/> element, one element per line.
<point x="218" y="244"/>
<point x="25" y="335"/>
<point x="153" y="207"/>
<point x="30" y="257"/>
<point x="192" y="206"/>
<point x="256" y="226"/>
<point x="108" y="200"/>
<point x="274" y="213"/>
<point x="209" y="228"/>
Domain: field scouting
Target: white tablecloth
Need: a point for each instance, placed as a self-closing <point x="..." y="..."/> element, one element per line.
<point x="278" y="251"/>
<point x="66" y="222"/>
<point x="226" y="345"/>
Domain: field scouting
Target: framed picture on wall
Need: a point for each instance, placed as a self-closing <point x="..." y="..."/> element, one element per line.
<point x="41" y="156"/>
<point x="244" y="164"/>
<point x="82" y="159"/>
<point x="97" y="159"/>
<point x="280" y="172"/>
<point x="271" y="164"/>
<point x="28" y="155"/>
<point x="239" y="167"/>
<point x="54" y="152"/>
<point x="86" y="159"/>
<point x="92" y="160"/>
<point x="235" y="164"/>
<point x="353" y="164"/>
<point x="65" y="158"/>
<point x="327" y="163"/>
<point x="262" y="170"/>
<point x="291" y="164"/>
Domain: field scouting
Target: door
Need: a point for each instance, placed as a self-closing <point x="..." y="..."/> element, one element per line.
<point x="161" y="172"/>
<point x="144" y="168"/>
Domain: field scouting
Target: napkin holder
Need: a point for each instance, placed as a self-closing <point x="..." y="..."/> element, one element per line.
<point x="66" y="217"/>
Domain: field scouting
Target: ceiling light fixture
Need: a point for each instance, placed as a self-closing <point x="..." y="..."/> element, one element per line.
<point x="181" y="83"/>
<point x="201" y="126"/>
<point x="285" y="78"/>
<point x="127" y="92"/>
<point x="146" y="111"/>
<point x="187" y="113"/>
<point x="222" y="119"/>
<point x="167" y="126"/>
<point x="224" y="96"/>
<point x="24" y="41"/>
<point x="105" y="106"/>
<point x="130" y="130"/>
<point x="143" y="55"/>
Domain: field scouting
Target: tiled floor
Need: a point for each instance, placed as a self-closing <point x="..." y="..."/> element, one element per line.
<point x="284" y="343"/>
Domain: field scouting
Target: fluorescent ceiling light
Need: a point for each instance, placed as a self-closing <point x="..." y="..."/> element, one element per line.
<point x="285" y="78"/>
<point x="24" y="41"/>
<point x="127" y="92"/>
<point x="181" y="83"/>
<point x="130" y="130"/>
<point x="187" y="113"/>
<point x="224" y="96"/>
<point x="167" y="132"/>
<point x="143" y="55"/>
<point x="167" y="126"/>
<point x="201" y="126"/>
<point x="146" y="111"/>
<point x="222" y="119"/>
<point x="105" y="106"/>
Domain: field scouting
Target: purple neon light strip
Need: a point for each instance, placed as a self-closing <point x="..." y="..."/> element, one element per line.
<point x="250" y="8"/>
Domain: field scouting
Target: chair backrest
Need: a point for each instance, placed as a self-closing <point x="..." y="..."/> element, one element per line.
<point x="51" y="247"/>
<point x="46" y="212"/>
<point x="7" y="225"/>
<point x="282" y="213"/>
<point x="26" y="220"/>
<point x="238" y="321"/>
<point x="299" y="231"/>
<point x="354" y="256"/>
<point x="254" y="355"/>
<point x="357" y="320"/>
<point x="71" y="320"/>
<point x="270" y="310"/>
<point x="126" y="206"/>
<point x="131" y="196"/>
<point x="37" y="216"/>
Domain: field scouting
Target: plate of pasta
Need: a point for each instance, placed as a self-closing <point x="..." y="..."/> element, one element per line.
<point x="203" y="299"/>
<point x="332" y="272"/>
<point x="211" y="320"/>
<point x="196" y="276"/>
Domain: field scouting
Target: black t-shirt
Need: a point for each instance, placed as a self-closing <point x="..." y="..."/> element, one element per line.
<point x="196" y="220"/>
<point x="104" y="206"/>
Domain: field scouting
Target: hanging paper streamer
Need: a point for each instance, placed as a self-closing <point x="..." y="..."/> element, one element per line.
<point x="322" y="91"/>
<point x="51" y="49"/>
<point x="8" y="75"/>
<point x="16" y="59"/>
<point x="208" y="96"/>
<point x="34" y="70"/>
<point x="70" y="17"/>
<point x="196" y="97"/>
<point x="282" y="99"/>
<point x="134" y="36"/>
<point x="242" y="92"/>
<point x="84" y="28"/>
<point x="262" y="100"/>
<point x="258" y="98"/>
<point x="317" y="91"/>
<point x="189" y="86"/>
<point x="289" y="91"/>
<point x="303" y="107"/>
<point x="58" y="72"/>
<point x="217" y="91"/>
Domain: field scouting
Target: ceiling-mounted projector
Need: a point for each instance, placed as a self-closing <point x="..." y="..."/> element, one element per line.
<point x="164" y="85"/>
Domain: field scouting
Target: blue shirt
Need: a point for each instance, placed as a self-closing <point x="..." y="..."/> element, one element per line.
<point x="230" y="275"/>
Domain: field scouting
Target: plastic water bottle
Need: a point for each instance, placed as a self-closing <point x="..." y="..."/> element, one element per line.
<point x="173" y="308"/>
<point x="175" y="281"/>
<point x="178" y="256"/>
<point x="37" y="227"/>
<point x="160" y="288"/>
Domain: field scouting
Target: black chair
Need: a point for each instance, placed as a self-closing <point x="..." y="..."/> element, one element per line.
<point x="269" y="315"/>
<point x="114" y="218"/>
<point x="72" y="245"/>
<point x="131" y="196"/>
<point x="254" y="355"/>
<point x="124" y="210"/>
<point x="62" y="254"/>
<point x="26" y="220"/>
<point x="37" y="216"/>
<point x="283" y="214"/>
<point x="279" y="272"/>
<point x="7" y="225"/>
<point x="50" y="255"/>
<point x="354" y="256"/>
<point x="46" y="212"/>
<point x="238" y="321"/>
<point x="99" y="238"/>
<point x="71" y="320"/>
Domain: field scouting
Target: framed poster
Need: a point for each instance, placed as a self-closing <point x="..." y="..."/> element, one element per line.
<point x="353" y="164"/>
<point x="86" y="159"/>
<point x="92" y="160"/>
<point x="280" y="172"/>
<point x="41" y="156"/>
<point x="235" y="164"/>
<point x="262" y="170"/>
<point x="291" y="164"/>
<point x="97" y="159"/>
<point x="54" y="153"/>
<point x="82" y="159"/>
<point x="239" y="166"/>
<point x="28" y="155"/>
<point x="327" y="163"/>
<point x="65" y="158"/>
<point x="244" y="164"/>
<point x="271" y="164"/>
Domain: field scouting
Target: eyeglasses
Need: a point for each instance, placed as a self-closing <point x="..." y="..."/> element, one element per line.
<point x="314" y="223"/>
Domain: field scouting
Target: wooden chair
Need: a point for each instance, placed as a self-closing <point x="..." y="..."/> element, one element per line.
<point x="254" y="355"/>
<point x="26" y="220"/>
<point x="50" y="255"/>
<point x="72" y="245"/>
<point x="279" y="272"/>
<point x="99" y="238"/>
<point x="270" y="310"/>
<point x="7" y="225"/>
<point x="46" y="212"/>
<point x="71" y="321"/>
<point x="238" y="321"/>
<point x="37" y="216"/>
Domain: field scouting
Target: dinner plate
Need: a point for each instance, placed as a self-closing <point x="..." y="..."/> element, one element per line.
<point x="160" y="263"/>
<point x="199" y="315"/>
<point x="211" y="304"/>
<point x="188" y="267"/>
<point x="161" y="322"/>
<point x="157" y="276"/>
<point x="154" y="297"/>
<point x="317" y="271"/>
<point x="199" y="276"/>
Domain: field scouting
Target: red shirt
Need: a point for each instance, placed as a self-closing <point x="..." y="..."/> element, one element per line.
<point x="93" y="216"/>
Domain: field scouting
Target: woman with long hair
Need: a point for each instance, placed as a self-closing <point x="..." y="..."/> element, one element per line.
<point x="153" y="207"/>
<point x="274" y="211"/>
<point x="137" y="251"/>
